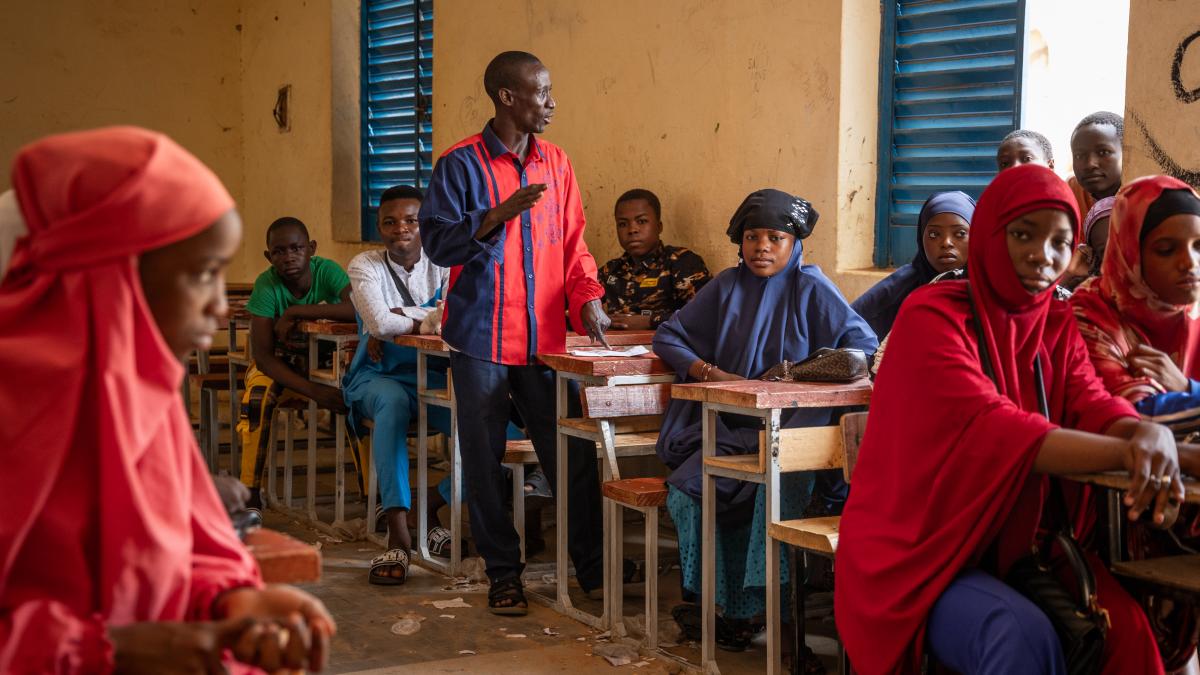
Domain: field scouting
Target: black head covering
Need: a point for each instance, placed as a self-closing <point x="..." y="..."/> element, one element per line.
<point x="1169" y="203"/>
<point x="773" y="210"/>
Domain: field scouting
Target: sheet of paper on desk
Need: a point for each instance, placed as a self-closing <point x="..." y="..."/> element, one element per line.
<point x="634" y="350"/>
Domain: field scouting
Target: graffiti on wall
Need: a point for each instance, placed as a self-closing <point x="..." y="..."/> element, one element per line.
<point x="1184" y="95"/>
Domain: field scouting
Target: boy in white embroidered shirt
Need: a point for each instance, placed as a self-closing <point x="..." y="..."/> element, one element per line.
<point x="395" y="291"/>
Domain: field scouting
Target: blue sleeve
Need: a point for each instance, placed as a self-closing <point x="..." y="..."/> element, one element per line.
<point x="1171" y="402"/>
<point x="452" y="211"/>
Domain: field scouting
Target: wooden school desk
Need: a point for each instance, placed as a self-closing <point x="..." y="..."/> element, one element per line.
<point x="765" y="400"/>
<point x="1178" y="572"/>
<point x="592" y="371"/>
<point x="341" y="335"/>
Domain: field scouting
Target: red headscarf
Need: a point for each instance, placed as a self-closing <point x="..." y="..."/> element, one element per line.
<point x="1117" y="310"/>
<point x="107" y="514"/>
<point x="945" y="469"/>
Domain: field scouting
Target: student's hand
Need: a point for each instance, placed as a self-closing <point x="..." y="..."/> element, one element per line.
<point x="1153" y="465"/>
<point x="154" y="647"/>
<point x="718" y="375"/>
<point x="517" y="203"/>
<point x="329" y="397"/>
<point x="1147" y="361"/>
<point x="595" y="321"/>
<point x="630" y="322"/>
<point x="233" y="493"/>
<point x="284" y="325"/>
<point x="1080" y="268"/>
<point x="432" y="323"/>
<point x="375" y="349"/>
<point x="309" y="625"/>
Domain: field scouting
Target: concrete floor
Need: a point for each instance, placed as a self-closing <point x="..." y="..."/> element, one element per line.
<point x="471" y="639"/>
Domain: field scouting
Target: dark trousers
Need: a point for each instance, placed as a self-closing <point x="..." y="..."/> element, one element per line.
<point x="483" y="390"/>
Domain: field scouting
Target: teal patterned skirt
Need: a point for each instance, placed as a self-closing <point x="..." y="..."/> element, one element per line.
<point x="741" y="548"/>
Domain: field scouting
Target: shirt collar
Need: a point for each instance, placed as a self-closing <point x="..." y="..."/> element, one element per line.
<point x="653" y="254"/>
<point x="497" y="148"/>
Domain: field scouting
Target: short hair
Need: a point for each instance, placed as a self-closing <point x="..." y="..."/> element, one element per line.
<point x="1101" y="118"/>
<point x="400" y="192"/>
<point x="1029" y="134"/>
<point x="642" y="193"/>
<point x="504" y="70"/>
<point x="285" y="222"/>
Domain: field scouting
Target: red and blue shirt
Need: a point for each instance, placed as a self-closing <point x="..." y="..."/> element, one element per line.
<point x="508" y="294"/>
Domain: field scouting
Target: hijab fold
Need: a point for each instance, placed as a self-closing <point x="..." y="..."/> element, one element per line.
<point x="107" y="513"/>
<point x="945" y="468"/>
<point x="1118" y="311"/>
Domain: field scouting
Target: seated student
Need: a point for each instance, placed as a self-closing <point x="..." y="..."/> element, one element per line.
<point x="647" y="284"/>
<point x="951" y="474"/>
<point x="117" y="553"/>
<point x="1096" y="158"/>
<point x="1095" y="233"/>
<point x="298" y="286"/>
<point x="943" y="229"/>
<point x="1141" y="318"/>
<point x="393" y="290"/>
<point x="769" y="308"/>
<point x="1024" y="146"/>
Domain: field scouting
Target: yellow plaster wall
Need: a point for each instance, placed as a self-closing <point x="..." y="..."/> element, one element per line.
<point x="292" y="173"/>
<point x="171" y="66"/>
<point x="1162" y="133"/>
<point x="700" y="102"/>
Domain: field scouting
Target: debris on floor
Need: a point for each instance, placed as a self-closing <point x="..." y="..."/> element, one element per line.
<point x="669" y="632"/>
<point x="616" y="653"/>
<point x="408" y="624"/>
<point x="447" y="604"/>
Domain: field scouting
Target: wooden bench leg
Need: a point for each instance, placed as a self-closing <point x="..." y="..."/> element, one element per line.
<point x="651" y="577"/>
<point x="289" y="447"/>
<point x="372" y="485"/>
<point x="235" y="440"/>
<point x="708" y="555"/>
<point x="310" y="473"/>
<point x="796" y="561"/>
<point x="614" y="590"/>
<point x="339" y="429"/>
<point x="518" y="503"/>
<point x="270" y="449"/>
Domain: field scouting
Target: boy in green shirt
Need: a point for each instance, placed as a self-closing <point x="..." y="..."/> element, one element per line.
<point x="299" y="286"/>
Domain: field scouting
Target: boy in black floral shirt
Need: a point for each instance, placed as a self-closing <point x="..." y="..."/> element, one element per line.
<point x="652" y="280"/>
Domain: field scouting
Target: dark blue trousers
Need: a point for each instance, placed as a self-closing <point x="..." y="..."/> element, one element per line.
<point x="982" y="626"/>
<point x="483" y="390"/>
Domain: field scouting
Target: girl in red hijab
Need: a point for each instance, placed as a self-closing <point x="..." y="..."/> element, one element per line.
<point x="115" y="551"/>
<point x="953" y="462"/>
<point x="1141" y="318"/>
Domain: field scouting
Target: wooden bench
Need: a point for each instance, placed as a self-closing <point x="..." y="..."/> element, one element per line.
<point x="813" y="449"/>
<point x="1178" y="572"/>
<point x="630" y="431"/>
<point x="633" y="405"/>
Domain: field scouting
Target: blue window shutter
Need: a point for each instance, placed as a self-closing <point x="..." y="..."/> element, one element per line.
<point x="950" y="89"/>
<point x="397" y="97"/>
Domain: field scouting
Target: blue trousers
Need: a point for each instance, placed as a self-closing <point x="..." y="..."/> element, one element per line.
<point x="981" y="626"/>
<point x="483" y="390"/>
<point x="392" y="406"/>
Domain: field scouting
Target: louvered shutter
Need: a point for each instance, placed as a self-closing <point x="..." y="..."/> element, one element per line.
<point x="397" y="90"/>
<point x="949" y="90"/>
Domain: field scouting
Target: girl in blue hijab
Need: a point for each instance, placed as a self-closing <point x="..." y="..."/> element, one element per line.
<point x="942" y="232"/>
<point x="768" y="308"/>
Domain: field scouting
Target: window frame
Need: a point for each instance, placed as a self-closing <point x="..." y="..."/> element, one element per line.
<point x="883" y="256"/>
